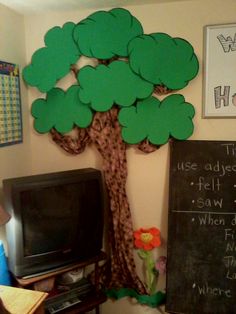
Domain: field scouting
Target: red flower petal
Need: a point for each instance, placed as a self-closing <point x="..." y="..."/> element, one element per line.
<point x="142" y="240"/>
<point x="138" y="244"/>
<point x="137" y="234"/>
<point x="156" y="241"/>
<point x="147" y="247"/>
<point x="154" y="231"/>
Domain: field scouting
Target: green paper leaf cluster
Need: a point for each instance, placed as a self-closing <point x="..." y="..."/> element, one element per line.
<point x="51" y="63"/>
<point x="61" y="110"/>
<point x="153" y="301"/>
<point x="104" y="86"/>
<point x="163" y="60"/>
<point x="104" y="35"/>
<point x="130" y="65"/>
<point x="157" y="121"/>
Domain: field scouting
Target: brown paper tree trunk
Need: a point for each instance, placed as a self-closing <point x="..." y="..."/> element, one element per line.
<point x="105" y="134"/>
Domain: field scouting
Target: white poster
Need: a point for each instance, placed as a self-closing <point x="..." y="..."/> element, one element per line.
<point x="219" y="90"/>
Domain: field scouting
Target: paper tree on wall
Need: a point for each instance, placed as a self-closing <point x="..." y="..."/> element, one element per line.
<point x="112" y="104"/>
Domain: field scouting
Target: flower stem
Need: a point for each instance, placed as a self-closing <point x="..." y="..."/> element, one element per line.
<point x="150" y="277"/>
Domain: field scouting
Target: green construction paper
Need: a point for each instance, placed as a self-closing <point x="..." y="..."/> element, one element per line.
<point x="61" y="110"/>
<point x="103" y="86"/>
<point x="153" y="300"/>
<point x="157" y="121"/>
<point x="51" y="63"/>
<point x="104" y="35"/>
<point x="151" y="277"/>
<point x="163" y="60"/>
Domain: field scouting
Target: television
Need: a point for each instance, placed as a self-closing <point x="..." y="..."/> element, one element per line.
<point x="56" y="220"/>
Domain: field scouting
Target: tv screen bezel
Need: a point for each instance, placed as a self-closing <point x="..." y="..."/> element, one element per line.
<point x="27" y="266"/>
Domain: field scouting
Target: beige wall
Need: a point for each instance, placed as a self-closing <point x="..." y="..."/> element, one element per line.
<point x="15" y="159"/>
<point x="148" y="174"/>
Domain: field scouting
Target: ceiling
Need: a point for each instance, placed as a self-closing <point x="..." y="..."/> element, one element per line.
<point x="39" y="6"/>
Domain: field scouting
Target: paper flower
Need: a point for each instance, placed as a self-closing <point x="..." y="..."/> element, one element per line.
<point x="161" y="265"/>
<point x="147" y="239"/>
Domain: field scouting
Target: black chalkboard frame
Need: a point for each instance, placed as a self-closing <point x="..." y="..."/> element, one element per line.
<point x="201" y="278"/>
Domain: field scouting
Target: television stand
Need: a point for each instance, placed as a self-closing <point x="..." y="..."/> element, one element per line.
<point x="87" y="304"/>
<point x="57" y="270"/>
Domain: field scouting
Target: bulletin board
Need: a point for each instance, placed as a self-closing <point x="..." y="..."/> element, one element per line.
<point x="10" y="104"/>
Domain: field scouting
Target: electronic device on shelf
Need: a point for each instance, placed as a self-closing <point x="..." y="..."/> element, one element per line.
<point x="57" y="220"/>
<point x="69" y="298"/>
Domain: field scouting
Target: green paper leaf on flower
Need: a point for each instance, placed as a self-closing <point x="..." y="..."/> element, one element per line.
<point x="103" y="86"/>
<point x="150" y="264"/>
<point x="142" y="254"/>
<point x="163" y="60"/>
<point x="104" y="35"/>
<point x="157" y="121"/>
<point x="51" y="63"/>
<point x="61" y="110"/>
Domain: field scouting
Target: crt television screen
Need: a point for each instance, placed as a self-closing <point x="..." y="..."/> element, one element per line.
<point x="51" y="216"/>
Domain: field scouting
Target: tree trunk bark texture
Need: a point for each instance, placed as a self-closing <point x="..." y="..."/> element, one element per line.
<point x="105" y="134"/>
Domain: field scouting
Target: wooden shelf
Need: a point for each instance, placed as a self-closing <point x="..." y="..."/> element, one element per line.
<point x="28" y="281"/>
<point x="87" y="304"/>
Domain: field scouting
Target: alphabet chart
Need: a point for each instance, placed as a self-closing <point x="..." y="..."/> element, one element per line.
<point x="10" y="105"/>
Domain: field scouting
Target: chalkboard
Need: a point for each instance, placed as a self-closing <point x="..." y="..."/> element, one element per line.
<point x="201" y="253"/>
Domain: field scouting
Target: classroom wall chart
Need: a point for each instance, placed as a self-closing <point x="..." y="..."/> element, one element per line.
<point x="10" y="104"/>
